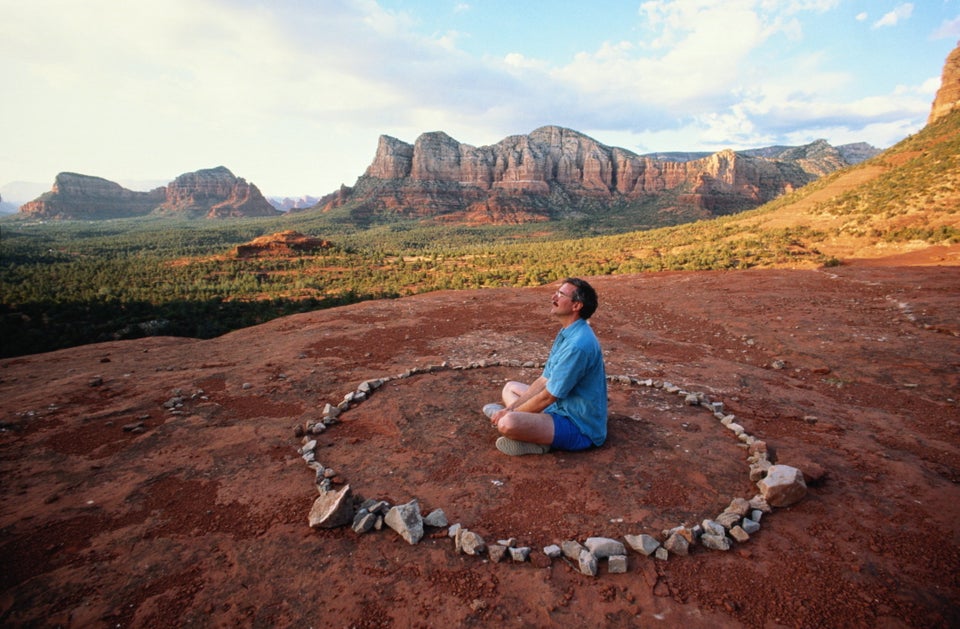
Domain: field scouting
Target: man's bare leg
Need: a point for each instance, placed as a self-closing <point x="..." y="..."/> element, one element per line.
<point x="512" y="392"/>
<point x="529" y="427"/>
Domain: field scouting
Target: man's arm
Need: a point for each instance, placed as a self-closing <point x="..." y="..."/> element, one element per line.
<point x="534" y="400"/>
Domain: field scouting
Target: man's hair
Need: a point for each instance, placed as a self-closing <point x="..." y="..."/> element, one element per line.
<point x="585" y="295"/>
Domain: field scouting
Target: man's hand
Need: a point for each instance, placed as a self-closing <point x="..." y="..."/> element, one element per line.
<point x="495" y="419"/>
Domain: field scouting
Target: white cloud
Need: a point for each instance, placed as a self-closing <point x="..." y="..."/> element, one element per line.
<point x="294" y="99"/>
<point x="901" y="12"/>
<point x="950" y="29"/>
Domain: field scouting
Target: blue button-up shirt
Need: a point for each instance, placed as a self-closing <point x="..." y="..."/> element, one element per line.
<point x="577" y="378"/>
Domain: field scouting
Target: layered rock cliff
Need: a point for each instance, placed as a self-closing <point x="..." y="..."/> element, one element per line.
<point x="948" y="96"/>
<point x="212" y="193"/>
<point x="555" y="171"/>
<point x="82" y="197"/>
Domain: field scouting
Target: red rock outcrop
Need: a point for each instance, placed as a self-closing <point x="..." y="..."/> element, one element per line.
<point x="948" y="96"/>
<point x="212" y="193"/>
<point x="215" y="193"/>
<point x="554" y="170"/>
<point x="282" y="244"/>
<point x="82" y="197"/>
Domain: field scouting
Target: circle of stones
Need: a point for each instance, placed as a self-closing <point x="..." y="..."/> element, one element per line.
<point x="736" y="523"/>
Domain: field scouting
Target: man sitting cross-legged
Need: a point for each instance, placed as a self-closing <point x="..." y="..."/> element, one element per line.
<point x="566" y="407"/>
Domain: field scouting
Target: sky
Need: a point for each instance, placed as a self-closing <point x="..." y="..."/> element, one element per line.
<point x="292" y="95"/>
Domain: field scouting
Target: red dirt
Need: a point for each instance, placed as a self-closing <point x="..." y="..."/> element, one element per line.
<point x="201" y="519"/>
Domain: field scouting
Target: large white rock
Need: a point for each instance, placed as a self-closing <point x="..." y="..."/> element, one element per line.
<point x="782" y="486"/>
<point x="332" y="509"/>
<point x="406" y="520"/>
<point x="642" y="543"/>
<point x="603" y="547"/>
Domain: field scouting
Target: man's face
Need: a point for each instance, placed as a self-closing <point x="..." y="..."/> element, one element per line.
<point x="563" y="304"/>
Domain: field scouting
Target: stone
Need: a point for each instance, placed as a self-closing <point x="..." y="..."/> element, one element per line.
<point x="379" y="506"/>
<point x="571" y="550"/>
<point x="471" y="543"/>
<point x="519" y="553"/>
<point x="587" y="563"/>
<point x="496" y="552"/>
<point x="739" y="534"/>
<point x="436" y="518"/>
<point x="740" y="506"/>
<point x="643" y="543"/>
<point x="603" y="547"/>
<point x="727" y="519"/>
<point x="759" y="470"/>
<point x="782" y="486"/>
<point x="711" y="527"/>
<point x="759" y="503"/>
<point x="174" y="402"/>
<point x="715" y="542"/>
<point x="677" y="544"/>
<point x="332" y="509"/>
<point x="617" y="564"/>
<point x="406" y="520"/>
<point x="329" y="410"/>
<point x="750" y="526"/>
<point x="552" y="551"/>
<point x="661" y="553"/>
<point x="364" y="521"/>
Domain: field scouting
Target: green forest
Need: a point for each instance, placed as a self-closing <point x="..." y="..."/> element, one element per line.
<point x="64" y="283"/>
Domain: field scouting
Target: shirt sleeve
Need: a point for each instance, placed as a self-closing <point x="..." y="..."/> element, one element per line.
<point x="567" y="370"/>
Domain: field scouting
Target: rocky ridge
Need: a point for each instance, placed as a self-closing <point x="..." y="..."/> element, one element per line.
<point x="209" y="193"/>
<point x="555" y="171"/>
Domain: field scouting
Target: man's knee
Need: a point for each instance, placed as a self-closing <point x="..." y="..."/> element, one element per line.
<point x="513" y="390"/>
<point x="509" y="424"/>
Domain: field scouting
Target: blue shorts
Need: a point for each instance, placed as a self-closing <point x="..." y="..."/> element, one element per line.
<point x="566" y="435"/>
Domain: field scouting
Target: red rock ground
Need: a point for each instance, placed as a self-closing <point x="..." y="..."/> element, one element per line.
<point x="201" y="519"/>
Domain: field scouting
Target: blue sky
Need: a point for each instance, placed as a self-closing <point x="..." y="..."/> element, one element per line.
<point x="293" y="94"/>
